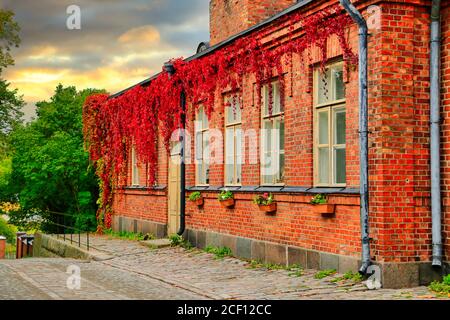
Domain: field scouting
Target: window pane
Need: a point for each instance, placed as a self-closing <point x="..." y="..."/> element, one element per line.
<point x="234" y="115"/>
<point x="265" y="101"/>
<point x="323" y="127"/>
<point x="282" y="166"/>
<point x="229" y="155"/>
<point x="324" y="165"/>
<point x="339" y="85"/>
<point x="206" y="174"/>
<point x="276" y="98"/>
<point x="340" y="170"/>
<point x="205" y="123"/>
<point x="206" y="150"/>
<point x="324" y="86"/>
<point x="339" y="125"/>
<point x="267" y="136"/>
<point x="239" y="153"/>
<point x="238" y="173"/>
<point x="229" y="174"/>
<point x="200" y="118"/>
<point x="200" y="175"/>
<point x="281" y="126"/>
<point x="199" y="146"/>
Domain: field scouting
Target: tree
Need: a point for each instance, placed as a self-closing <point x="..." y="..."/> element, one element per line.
<point x="10" y="113"/>
<point x="50" y="169"/>
<point x="10" y="103"/>
<point x="9" y="37"/>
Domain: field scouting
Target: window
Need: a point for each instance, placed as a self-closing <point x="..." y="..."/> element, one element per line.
<point x="202" y="148"/>
<point x="233" y="141"/>
<point x="134" y="168"/>
<point x="272" y="137"/>
<point x="330" y="126"/>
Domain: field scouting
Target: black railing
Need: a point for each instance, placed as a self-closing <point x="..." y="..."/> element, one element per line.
<point x="61" y="228"/>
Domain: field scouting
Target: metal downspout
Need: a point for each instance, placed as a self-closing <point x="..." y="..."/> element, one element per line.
<point x="363" y="131"/>
<point x="435" y="139"/>
<point x="183" y="167"/>
<point x="169" y="68"/>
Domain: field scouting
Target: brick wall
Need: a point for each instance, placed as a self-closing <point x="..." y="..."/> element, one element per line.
<point x="400" y="219"/>
<point x="229" y="17"/>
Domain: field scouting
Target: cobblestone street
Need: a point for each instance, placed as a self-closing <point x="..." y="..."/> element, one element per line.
<point x="129" y="270"/>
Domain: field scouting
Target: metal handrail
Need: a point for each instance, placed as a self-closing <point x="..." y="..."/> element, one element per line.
<point x="66" y="227"/>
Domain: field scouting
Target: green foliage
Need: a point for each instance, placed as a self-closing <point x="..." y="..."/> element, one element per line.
<point x="5" y="175"/>
<point x="7" y="231"/>
<point x="296" y="270"/>
<point x="319" y="199"/>
<point x="225" y="195"/>
<point x="9" y="37"/>
<point x="264" y="200"/>
<point x="353" y="276"/>
<point x="127" y="235"/>
<point x="220" y="253"/>
<point x="50" y="169"/>
<point x="441" y="287"/>
<point x="11" y="105"/>
<point x="325" y="273"/>
<point x="175" y="240"/>
<point x="195" y="196"/>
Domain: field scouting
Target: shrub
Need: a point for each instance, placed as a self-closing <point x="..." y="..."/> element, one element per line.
<point x="441" y="287"/>
<point x="325" y="273"/>
<point x="195" y="196"/>
<point x="319" y="199"/>
<point x="7" y="231"/>
<point x="265" y="200"/>
<point x="220" y="253"/>
<point x="225" y="195"/>
<point x="175" y="240"/>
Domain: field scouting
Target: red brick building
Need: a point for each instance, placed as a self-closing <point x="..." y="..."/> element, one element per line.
<point x="316" y="151"/>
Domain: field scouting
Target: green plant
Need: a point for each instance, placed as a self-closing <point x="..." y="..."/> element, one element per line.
<point x="175" y="240"/>
<point x="186" y="245"/>
<point x="220" y="253"/>
<point x="319" y="199"/>
<point x="126" y="235"/>
<point x="225" y="195"/>
<point x="7" y="231"/>
<point x="195" y="196"/>
<point x="441" y="287"/>
<point x="265" y="200"/>
<point x="325" y="273"/>
<point x="353" y="276"/>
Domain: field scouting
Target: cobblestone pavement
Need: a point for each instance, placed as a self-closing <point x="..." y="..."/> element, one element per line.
<point x="133" y="271"/>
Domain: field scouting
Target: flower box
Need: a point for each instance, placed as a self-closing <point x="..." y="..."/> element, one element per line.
<point x="324" y="209"/>
<point x="200" y="202"/>
<point x="228" y="203"/>
<point x="270" y="208"/>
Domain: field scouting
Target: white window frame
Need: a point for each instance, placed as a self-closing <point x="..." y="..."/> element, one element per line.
<point x="277" y="116"/>
<point x="135" y="177"/>
<point x="332" y="107"/>
<point x="202" y="130"/>
<point x="236" y="127"/>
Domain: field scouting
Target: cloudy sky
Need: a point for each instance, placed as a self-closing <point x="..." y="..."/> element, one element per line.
<point x="121" y="42"/>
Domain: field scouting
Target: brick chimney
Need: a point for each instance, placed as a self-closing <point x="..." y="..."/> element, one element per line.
<point x="229" y="17"/>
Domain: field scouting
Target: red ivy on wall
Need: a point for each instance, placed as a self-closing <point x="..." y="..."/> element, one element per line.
<point x="113" y="126"/>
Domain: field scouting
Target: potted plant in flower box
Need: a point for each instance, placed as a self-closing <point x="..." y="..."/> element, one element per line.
<point x="197" y="198"/>
<point x="226" y="198"/>
<point x="266" y="203"/>
<point x="321" y="205"/>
